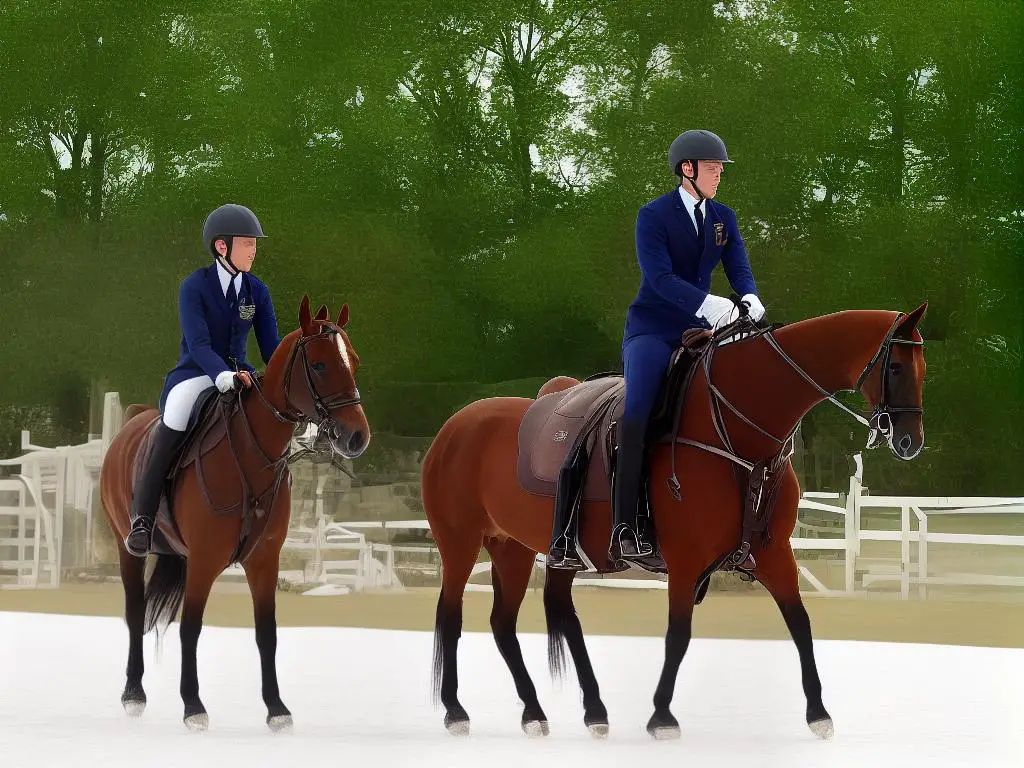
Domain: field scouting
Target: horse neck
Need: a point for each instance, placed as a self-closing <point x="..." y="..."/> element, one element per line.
<point x="271" y="433"/>
<point x="764" y="387"/>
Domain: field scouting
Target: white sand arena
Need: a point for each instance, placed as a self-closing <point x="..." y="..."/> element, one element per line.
<point x="362" y="698"/>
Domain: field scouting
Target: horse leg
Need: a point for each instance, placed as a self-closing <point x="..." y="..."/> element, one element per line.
<point x="777" y="571"/>
<point x="133" y="574"/>
<point x="511" y="566"/>
<point x="564" y="624"/>
<point x="261" y="571"/>
<point x="458" y="556"/>
<point x="663" y="725"/>
<point x="199" y="579"/>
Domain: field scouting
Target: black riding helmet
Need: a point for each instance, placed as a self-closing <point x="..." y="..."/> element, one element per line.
<point x="695" y="145"/>
<point x="229" y="221"/>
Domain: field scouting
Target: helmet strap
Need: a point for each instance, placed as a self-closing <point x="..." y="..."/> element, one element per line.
<point x="693" y="180"/>
<point x="225" y="261"/>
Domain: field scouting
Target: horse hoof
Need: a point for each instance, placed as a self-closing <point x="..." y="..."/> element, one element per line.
<point x="664" y="732"/>
<point x="133" y="700"/>
<point x="197" y="722"/>
<point x="535" y="728"/>
<point x="598" y="730"/>
<point x="279" y="723"/>
<point x="134" y="707"/>
<point x="663" y="726"/>
<point x="823" y="728"/>
<point x="457" y="727"/>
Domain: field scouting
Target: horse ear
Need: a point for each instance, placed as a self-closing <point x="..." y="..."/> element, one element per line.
<point x="305" y="321"/>
<point x="321" y="314"/>
<point x="342" y="316"/>
<point x="910" y="322"/>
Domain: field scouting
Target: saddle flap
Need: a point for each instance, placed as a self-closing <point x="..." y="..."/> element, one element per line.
<point x="556" y="424"/>
<point x="205" y="427"/>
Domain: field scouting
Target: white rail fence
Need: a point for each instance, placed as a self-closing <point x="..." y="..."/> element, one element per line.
<point x="51" y="487"/>
<point x="27" y="537"/>
<point x="877" y="542"/>
<point x="857" y="519"/>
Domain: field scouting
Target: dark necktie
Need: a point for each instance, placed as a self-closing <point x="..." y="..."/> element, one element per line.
<point x="231" y="295"/>
<point x="699" y="216"/>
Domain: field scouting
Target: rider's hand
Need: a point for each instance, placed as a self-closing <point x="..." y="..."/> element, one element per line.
<point x="715" y="309"/>
<point x="225" y="381"/>
<point x="228" y="381"/>
<point x="756" y="308"/>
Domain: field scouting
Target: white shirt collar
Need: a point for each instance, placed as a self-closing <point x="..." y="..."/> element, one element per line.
<point x="689" y="201"/>
<point x="225" y="278"/>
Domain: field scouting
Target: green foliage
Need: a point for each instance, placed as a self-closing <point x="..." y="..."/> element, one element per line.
<point x="466" y="177"/>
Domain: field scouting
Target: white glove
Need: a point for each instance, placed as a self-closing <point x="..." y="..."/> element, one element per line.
<point x="756" y="307"/>
<point x="715" y="309"/>
<point x="225" y="381"/>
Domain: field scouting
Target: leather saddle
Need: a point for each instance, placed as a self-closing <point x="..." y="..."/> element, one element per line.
<point x="207" y="426"/>
<point x="558" y="426"/>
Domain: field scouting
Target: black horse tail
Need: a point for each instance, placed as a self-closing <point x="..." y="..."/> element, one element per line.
<point x="165" y="591"/>
<point x="560" y="615"/>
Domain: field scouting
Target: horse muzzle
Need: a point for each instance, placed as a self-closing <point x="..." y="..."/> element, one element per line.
<point x="346" y="442"/>
<point x="902" y="443"/>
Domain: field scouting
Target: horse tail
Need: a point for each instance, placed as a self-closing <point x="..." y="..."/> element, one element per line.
<point x="165" y="591"/>
<point x="558" y="613"/>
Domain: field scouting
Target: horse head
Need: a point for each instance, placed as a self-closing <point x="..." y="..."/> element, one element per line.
<point x="892" y="384"/>
<point x="315" y="370"/>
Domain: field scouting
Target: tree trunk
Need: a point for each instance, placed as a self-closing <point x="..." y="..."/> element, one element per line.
<point x="97" y="169"/>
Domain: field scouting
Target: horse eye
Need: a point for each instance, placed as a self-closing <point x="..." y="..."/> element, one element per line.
<point x="320" y="368"/>
<point x="895" y="368"/>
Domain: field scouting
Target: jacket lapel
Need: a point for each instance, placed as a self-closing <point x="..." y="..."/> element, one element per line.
<point x="246" y="292"/>
<point x="244" y="297"/>
<point x="213" y="285"/>
<point x="711" y="251"/>
<point x="685" y="221"/>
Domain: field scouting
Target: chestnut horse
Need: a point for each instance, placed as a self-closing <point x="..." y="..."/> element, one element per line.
<point x="229" y="499"/>
<point x="767" y="379"/>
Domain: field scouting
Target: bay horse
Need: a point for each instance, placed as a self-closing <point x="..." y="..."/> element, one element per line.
<point x="767" y="378"/>
<point x="228" y="500"/>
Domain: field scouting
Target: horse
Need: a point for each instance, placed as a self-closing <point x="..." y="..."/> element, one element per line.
<point x="227" y="499"/>
<point x="721" y="491"/>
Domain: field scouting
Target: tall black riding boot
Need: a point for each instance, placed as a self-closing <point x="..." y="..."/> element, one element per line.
<point x="625" y="541"/>
<point x="562" y="552"/>
<point x="147" y="493"/>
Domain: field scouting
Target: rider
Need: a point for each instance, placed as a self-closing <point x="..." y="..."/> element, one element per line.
<point x="216" y="305"/>
<point x="680" y="238"/>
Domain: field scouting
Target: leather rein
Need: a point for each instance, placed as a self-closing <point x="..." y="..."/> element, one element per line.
<point x="880" y="423"/>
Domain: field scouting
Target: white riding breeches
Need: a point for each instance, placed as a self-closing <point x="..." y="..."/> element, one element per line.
<point x="181" y="399"/>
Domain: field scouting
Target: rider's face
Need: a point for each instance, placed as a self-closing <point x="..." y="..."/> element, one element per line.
<point x="709" y="174"/>
<point x="243" y="252"/>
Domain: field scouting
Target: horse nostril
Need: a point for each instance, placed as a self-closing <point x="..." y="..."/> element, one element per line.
<point x="355" y="442"/>
<point x="905" y="442"/>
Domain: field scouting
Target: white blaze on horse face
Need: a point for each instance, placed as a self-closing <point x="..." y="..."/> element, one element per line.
<point x="344" y="351"/>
